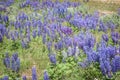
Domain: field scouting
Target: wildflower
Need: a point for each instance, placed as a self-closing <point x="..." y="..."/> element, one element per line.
<point x="24" y="78"/>
<point x="52" y="58"/>
<point x="7" y="61"/>
<point x="5" y="78"/>
<point x="116" y="64"/>
<point x="105" y="37"/>
<point x="34" y="34"/>
<point x="34" y="74"/>
<point x="46" y="77"/>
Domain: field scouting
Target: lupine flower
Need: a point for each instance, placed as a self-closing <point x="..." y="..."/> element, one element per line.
<point x="34" y="74"/>
<point x="15" y="56"/>
<point x="102" y="26"/>
<point x="17" y="64"/>
<point x="5" y="18"/>
<point x="115" y="37"/>
<point x="118" y="11"/>
<point x="46" y="77"/>
<point x="102" y="67"/>
<point x="49" y="45"/>
<point x="34" y="34"/>
<point x="5" y="78"/>
<point x="16" y="34"/>
<point x="1" y="39"/>
<point x="68" y="17"/>
<point x="24" y="78"/>
<point x="2" y="31"/>
<point x="111" y="51"/>
<point x="59" y="45"/>
<point x="24" y="4"/>
<point x="2" y="8"/>
<point x="13" y="66"/>
<point x="116" y="64"/>
<point x="92" y="56"/>
<point x="7" y="61"/>
<point x="12" y="36"/>
<point x="111" y="25"/>
<point x="105" y="37"/>
<point x="86" y="49"/>
<point x="75" y="41"/>
<point x="107" y="66"/>
<point x="90" y="40"/>
<point x="9" y="2"/>
<point x="60" y="10"/>
<point x="22" y="16"/>
<point x="24" y="45"/>
<point x="17" y="25"/>
<point x="39" y="31"/>
<point x="66" y="30"/>
<point x="52" y="58"/>
<point x="67" y="41"/>
<point x="28" y="37"/>
<point x="44" y="38"/>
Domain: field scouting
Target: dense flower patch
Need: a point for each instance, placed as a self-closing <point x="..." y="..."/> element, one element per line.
<point x="68" y="36"/>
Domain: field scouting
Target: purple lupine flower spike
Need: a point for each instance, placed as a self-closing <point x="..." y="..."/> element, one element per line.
<point x="34" y="74"/>
<point x="24" y="78"/>
<point x="34" y="34"/>
<point x="5" y="78"/>
<point x="17" y="64"/>
<point x="7" y="61"/>
<point x="105" y="37"/>
<point x="52" y="58"/>
<point x="46" y="77"/>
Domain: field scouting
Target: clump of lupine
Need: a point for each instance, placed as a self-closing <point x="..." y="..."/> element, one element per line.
<point x="27" y="27"/>
<point x="12" y="62"/>
<point x="115" y="37"/>
<point x="5" y="78"/>
<point x="4" y="19"/>
<point x="34" y="75"/>
<point x="6" y="2"/>
<point x="36" y="5"/>
<point x="106" y="56"/>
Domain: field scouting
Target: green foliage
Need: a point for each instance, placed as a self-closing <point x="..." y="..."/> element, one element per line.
<point x="115" y="18"/>
<point x="69" y="70"/>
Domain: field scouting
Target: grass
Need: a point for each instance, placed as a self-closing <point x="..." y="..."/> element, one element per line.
<point x="35" y="55"/>
<point x="98" y="5"/>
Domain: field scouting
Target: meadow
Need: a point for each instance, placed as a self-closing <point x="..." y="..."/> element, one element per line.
<point x="59" y="40"/>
